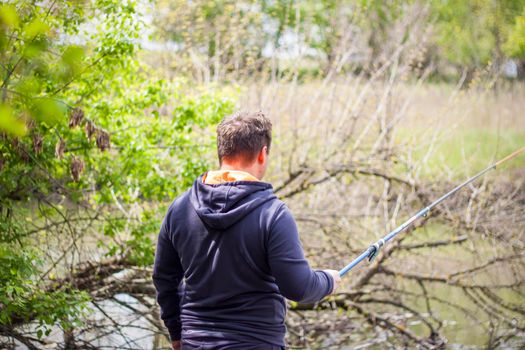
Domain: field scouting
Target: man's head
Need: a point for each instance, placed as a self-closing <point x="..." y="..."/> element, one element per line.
<point x="243" y="142"/>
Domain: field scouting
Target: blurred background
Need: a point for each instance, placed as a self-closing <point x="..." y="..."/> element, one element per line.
<point x="108" y="111"/>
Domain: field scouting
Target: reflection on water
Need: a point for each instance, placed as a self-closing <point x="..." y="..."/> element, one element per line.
<point x="115" y="323"/>
<point x="123" y="326"/>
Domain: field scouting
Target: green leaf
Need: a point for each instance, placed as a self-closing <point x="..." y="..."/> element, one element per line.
<point x="8" y="15"/>
<point x="35" y="28"/>
<point x="34" y="49"/>
<point x="48" y="110"/>
<point x="73" y="57"/>
<point x="9" y="123"/>
<point x="29" y="86"/>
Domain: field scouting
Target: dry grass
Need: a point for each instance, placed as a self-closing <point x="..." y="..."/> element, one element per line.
<point x="440" y="128"/>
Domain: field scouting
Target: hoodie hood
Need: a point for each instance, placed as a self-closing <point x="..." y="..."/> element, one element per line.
<point x="220" y="205"/>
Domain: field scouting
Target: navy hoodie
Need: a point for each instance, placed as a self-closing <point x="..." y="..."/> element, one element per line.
<point x="227" y="256"/>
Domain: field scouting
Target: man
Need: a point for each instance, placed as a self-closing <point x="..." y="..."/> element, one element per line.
<point x="228" y="251"/>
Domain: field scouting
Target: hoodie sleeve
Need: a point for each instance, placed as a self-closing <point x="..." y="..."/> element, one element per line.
<point x="167" y="276"/>
<point x="293" y="275"/>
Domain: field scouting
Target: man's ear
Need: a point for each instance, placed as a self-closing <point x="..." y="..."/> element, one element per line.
<point x="263" y="153"/>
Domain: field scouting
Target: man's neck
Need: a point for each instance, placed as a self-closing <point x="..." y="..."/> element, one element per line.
<point x="238" y="167"/>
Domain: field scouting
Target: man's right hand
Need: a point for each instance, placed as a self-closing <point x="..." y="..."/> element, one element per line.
<point x="335" y="277"/>
<point x="175" y="345"/>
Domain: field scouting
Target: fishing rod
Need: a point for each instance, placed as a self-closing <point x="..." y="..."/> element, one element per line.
<point x="372" y="251"/>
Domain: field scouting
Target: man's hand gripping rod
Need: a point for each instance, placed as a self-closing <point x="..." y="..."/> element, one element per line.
<point x="372" y="251"/>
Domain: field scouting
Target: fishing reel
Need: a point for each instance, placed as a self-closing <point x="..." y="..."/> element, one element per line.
<point x="374" y="249"/>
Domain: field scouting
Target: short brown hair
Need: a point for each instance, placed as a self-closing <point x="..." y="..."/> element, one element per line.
<point x="243" y="134"/>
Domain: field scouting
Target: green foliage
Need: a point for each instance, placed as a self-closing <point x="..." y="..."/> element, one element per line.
<point x="155" y="157"/>
<point x="85" y="129"/>
<point x="40" y="59"/>
<point x="471" y="33"/>
<point x="22" y="299"/>
<point x="515" y="44"/>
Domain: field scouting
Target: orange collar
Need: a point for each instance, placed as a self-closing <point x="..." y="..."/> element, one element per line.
<point x="216" y="177"/>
